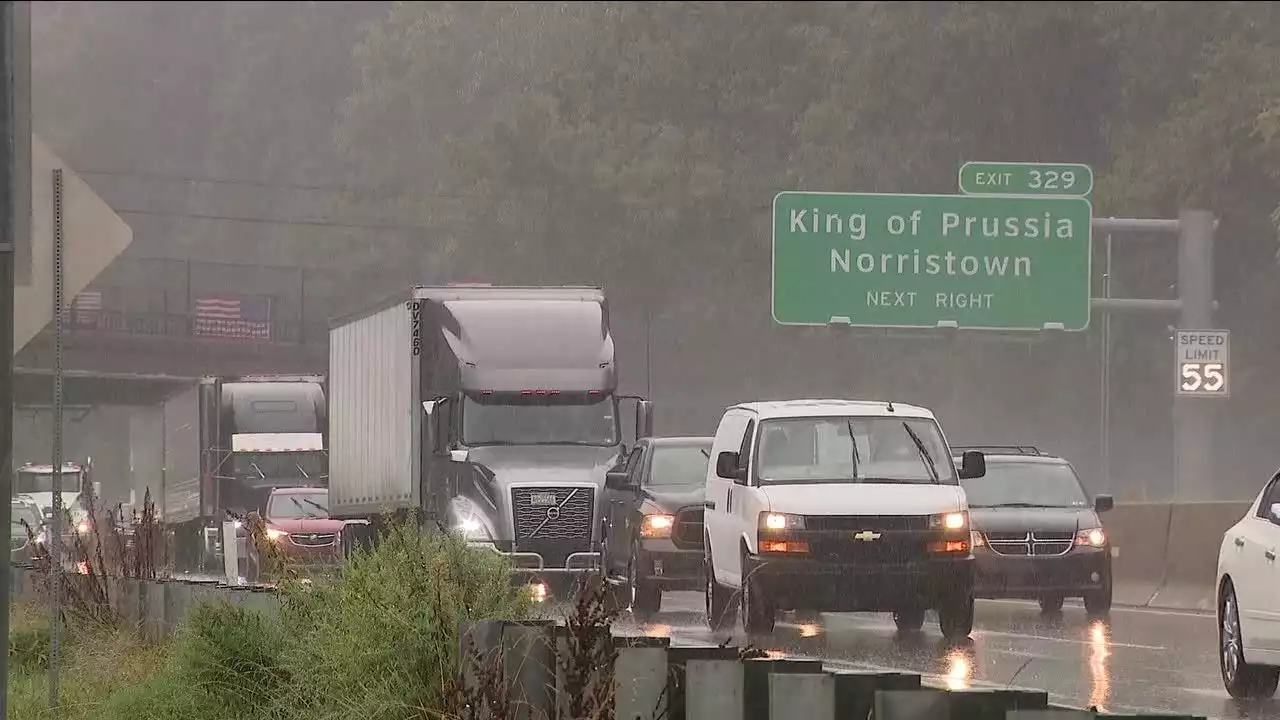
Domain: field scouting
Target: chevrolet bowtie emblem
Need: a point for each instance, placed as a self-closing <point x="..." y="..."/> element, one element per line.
<point x="866" y="535"/>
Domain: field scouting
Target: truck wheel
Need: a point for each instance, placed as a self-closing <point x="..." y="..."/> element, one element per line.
<point x="759" y="611"/>
<point x="955" y="617"/>
<point x="646" y="598"/>
<point x="1051" y="603"/>
<point x="909" y="619"/>
<point x="721" y="602"/>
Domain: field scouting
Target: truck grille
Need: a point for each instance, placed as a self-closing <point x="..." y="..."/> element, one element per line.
<point x="313" y="539"/>
<point x="688" y="530"/>
<point x="901" y="539"/>
<point x="553" y="513"/>
<point x="1036" y="543"/>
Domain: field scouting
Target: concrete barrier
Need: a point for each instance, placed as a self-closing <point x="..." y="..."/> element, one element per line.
<point x="1139" y="537"/>
<point x="1191" y="558"/>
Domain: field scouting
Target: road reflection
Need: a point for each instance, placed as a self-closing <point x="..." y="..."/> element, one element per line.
<point x="1099" y="652"/>
<point x="959" y="671"/>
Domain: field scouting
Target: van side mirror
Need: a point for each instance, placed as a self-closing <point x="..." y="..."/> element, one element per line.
<point x="644" y="419"/>
<point x="1103" y="503"/>
<point x="973" y="465"/>
<point x="617" y="480"/>
<point x="728" y="467"/>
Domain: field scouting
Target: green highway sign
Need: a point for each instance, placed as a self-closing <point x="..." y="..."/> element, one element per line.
<point x="997" y="178"/>
<point x="925" y="261"/>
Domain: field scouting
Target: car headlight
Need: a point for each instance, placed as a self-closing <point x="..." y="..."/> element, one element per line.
<point x="657" y="526"/>
<point x="275" y="535"/>
<point x="42" y="537"/>
<point x="1092" y="537"/>
<point x="82" y="527"/>
<point x="952" y="521"/>
<point x="779" y="522"/>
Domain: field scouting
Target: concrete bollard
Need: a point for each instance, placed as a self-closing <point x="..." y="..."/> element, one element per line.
<point x="177" y="603"/>
<point x="528" y="663"/>
<point x="230" y="554"/>
<point x="677" y="676"/>
<point x="640" y="683"/>
<point x="714" y="690"/>
<point x="856" y="692"/>
<point x="755" y="682"/>
<point x="983" y="704"/>
<point x="153" y="622"/>
<point x="802" y="695"/>
<point x="920" y="704"/>
<point x="1050" y="714"/>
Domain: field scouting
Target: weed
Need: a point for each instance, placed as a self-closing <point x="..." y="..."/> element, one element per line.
<point x="587" y="665"/>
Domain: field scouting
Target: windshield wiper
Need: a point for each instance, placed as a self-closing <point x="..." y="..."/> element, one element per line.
<point x="305" y="511"/>
<point x="924" y="453"/>
<point x="853" y="448"/>
<point x="316" y="505"/>
<point x="304" y="472"/>
<point x="261" y="475"/>
<point x="705" y="453"/>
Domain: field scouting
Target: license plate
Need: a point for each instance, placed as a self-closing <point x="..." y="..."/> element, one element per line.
<point x="542" y="499"/>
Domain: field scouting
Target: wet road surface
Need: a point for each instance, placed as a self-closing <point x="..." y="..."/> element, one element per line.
<point x="1138" y="661"/>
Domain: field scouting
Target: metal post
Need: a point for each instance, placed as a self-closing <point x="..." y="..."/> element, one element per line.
<point x="1105" y="425"/>
<point x="1192" y="417"/>
<point x="55" y="531"/>
<point x="8" y="242"/>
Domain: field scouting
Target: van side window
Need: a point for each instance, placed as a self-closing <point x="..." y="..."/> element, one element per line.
<point x="744" y="450"/>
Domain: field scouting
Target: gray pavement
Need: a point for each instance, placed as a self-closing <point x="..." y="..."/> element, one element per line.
<point x="1138" y="661"/>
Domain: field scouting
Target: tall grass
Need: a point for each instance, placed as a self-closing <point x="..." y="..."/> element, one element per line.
<point x="378" y="641"/>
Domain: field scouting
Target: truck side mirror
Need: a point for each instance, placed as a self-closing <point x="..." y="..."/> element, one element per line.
<point x="429" y="438"/>
<point x="617" y="480"/>
<point x="644" y="419"/>
<point x="973" y="465"/>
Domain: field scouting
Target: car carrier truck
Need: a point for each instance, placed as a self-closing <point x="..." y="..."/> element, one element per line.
<point x="230" y="442"/>
<point x="492" y="411"/>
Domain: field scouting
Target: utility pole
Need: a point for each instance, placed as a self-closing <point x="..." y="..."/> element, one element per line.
<point x="8" y="246"/>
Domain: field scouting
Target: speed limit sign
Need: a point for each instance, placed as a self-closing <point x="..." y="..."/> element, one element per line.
<point x="1202" y="363"/>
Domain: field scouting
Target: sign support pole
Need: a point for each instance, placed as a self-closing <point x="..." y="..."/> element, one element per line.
<point x="1193" y="416"/>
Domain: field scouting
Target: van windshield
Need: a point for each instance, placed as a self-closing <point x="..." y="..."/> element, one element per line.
<point x="852" y="449"/>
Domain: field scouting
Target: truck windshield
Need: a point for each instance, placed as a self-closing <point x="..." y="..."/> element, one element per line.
<point x="559" y="419"/>
<point x="852" y="449"/>
<point x="36" y="482"/>
<point x="291" y="465"/>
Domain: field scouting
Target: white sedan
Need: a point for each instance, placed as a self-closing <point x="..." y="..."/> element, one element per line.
<point x="1249" y="599"/>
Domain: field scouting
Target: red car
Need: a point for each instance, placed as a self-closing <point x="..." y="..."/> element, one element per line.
<point x="298" y="522"/>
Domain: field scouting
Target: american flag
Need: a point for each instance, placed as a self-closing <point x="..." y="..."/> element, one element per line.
<point x="233" y="317"/>
<point x="86" y="309"/>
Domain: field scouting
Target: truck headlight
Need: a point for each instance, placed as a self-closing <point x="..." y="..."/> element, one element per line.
<point x="657" y="526"/>
<point x="1092" y="537"/>
<point x="952" y="521"/>
<point x="472" y="528"/>
<point x="779" y="522"/>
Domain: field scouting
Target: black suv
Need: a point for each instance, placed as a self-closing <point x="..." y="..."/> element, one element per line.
<point x="652" y="526"/>
<point x="1036" y="533"/>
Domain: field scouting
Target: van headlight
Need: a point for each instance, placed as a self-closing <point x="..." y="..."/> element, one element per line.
<point x="951" y="522"/>
<point x="1092" y="537"/>
<point x="780" y="522"/>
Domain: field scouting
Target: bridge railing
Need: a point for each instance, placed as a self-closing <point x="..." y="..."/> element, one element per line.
<point x="192" y="327"/>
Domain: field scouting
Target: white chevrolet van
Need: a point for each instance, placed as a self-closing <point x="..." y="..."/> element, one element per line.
<point x="837" y="506"/>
